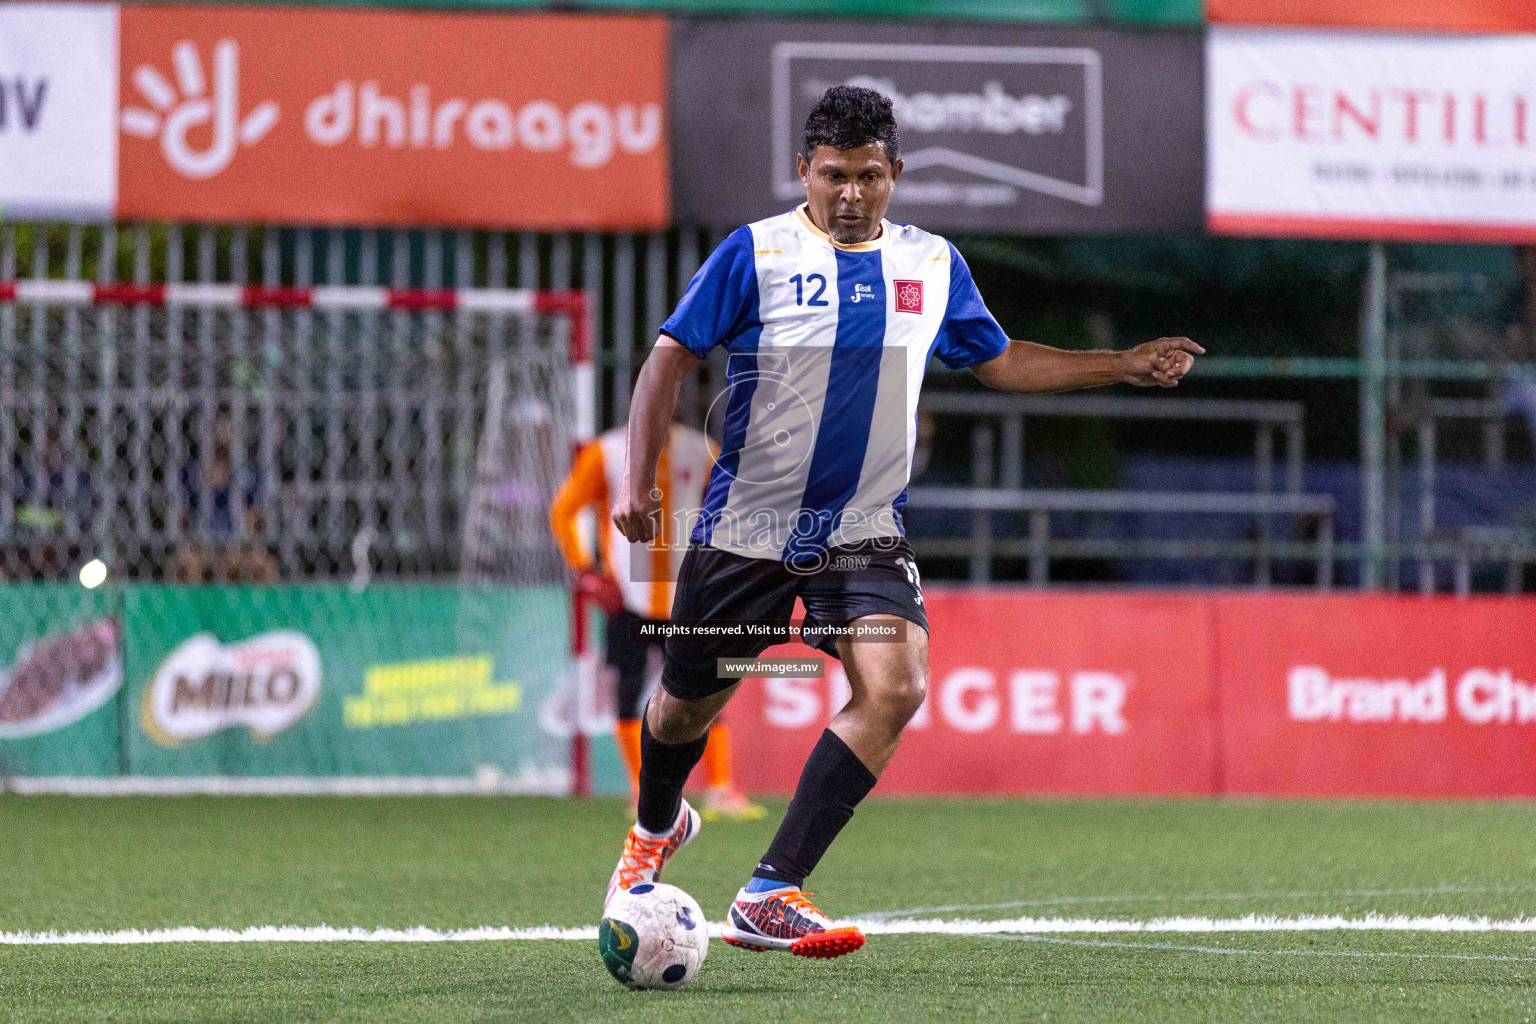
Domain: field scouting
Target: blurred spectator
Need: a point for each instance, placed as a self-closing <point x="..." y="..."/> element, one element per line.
<point x="222" y="501"/>
<point x="52" y="510"/>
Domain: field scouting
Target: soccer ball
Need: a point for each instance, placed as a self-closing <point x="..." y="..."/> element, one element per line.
<point x="653" y="936"/>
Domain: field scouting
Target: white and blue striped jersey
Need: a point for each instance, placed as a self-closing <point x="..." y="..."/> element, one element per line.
<point x="827" y="345"/>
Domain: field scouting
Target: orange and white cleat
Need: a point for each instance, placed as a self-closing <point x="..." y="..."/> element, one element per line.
<point x="730" y="804"/>
<point x="786" y="919"/>
<point x="644" y="856"/>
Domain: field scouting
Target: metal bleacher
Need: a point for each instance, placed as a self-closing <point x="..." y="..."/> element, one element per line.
<point x="996" y="487"/>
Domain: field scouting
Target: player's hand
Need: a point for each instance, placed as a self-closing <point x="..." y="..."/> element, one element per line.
<point x="1161" y="363"/>
<point x="638" y="516"/>
<point x="602" y="589"/>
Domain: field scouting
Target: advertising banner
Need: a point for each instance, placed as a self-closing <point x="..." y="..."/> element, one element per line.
<point x="1431" y="15"/>
<point x="1003" y="127"/>
<point x="305" y="115"/>
<point x="61" y="673"/>
<point x="58" y="98"/>
<point x="1378" y="696"/>
<point x="388" y="117"/>
<point x="321" y="681"/>
<point x="1356" y="135"/>
<point x="1282" y="695"/>
<point x="323" y="688"/>
<point x="1029" y="693"/>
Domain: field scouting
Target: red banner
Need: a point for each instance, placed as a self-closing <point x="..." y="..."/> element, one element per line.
<point x="1142" y="694"/>
<point x="1378" y="696"/>
<point x="1029" y="693"/>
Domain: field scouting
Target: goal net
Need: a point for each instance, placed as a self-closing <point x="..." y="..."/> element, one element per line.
<point x="221" y="434"/>
<point x="400" y="446"/>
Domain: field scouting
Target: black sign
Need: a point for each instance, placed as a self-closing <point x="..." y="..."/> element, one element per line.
<point x="1003" y="128"/>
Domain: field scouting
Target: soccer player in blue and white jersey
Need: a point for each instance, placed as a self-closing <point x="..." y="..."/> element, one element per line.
<point x="829" y="314"/>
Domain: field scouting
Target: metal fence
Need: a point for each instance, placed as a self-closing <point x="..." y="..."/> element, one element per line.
<point x="175" y="432"/>
<point x="100" y="455"/>
<point x="632" y="280"/>
<point x="1456" y="318"/>
<point x="998" y="489"/>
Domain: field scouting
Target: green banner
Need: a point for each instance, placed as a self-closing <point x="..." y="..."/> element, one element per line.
<point x="61" y="673"/>
<point x="318" y="681"/>
<point x="410" y="682"/>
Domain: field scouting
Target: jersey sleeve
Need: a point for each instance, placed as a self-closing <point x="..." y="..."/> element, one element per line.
<point x="968" y="334"/>
<point x="586" y="486"/>
<point x="721" y="300"/>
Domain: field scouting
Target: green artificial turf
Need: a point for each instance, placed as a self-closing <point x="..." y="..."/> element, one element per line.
<point x="81" y="864"/>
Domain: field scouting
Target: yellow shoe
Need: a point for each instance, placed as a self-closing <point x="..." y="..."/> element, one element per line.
<point x="730" y="804"/>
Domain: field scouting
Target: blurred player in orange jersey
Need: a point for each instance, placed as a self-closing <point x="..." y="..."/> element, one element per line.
<point x="633" y="584"/>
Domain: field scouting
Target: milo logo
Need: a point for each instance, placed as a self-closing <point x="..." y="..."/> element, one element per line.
<point x="264" y="684"/>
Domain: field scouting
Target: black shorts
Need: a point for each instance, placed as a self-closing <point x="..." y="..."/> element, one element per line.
<point x="877" y="577"/>
<point x="627" y="655"/>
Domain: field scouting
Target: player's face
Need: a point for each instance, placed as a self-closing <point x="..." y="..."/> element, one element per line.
<point x="848" y="190"/>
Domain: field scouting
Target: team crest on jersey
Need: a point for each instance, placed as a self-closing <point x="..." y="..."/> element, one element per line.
<point x="909" y="296"/>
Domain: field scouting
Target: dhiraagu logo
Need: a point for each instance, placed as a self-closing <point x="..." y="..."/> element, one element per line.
<point x="863" y="293"/>
<point x="194" y="103"/>
<point x="430" y="691"/>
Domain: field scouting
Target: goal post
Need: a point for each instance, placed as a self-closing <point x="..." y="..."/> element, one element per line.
<point x="202" y="432"/>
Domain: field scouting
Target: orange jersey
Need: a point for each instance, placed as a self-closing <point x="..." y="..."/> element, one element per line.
<point x="644" y="571"/>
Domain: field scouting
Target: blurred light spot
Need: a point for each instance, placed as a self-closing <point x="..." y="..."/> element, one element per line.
<point x="93" y="574"/>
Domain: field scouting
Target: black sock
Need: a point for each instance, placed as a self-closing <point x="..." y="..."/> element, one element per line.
<point x="664" y="770"/>
<point x="832" y="783"/>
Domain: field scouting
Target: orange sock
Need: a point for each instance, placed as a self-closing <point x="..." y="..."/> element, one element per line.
<point x="717" y="757"/>
<point x="627" y="732"/>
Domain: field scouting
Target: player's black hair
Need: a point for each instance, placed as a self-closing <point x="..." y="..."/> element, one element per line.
<point x="850" y="116"/>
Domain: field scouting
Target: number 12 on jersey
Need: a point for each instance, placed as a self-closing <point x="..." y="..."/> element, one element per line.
<point x="814" y="279"/>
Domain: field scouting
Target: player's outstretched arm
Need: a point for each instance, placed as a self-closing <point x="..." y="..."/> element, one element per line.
<point x="637" y="508"/>
<point x="1027" y="367"/>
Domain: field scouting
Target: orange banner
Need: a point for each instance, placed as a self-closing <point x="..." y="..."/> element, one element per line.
<point x="1431" y="15"/>
<point x="299" y="115"/>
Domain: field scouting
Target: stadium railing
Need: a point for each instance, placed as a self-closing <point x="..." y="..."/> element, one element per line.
<point x="1009" y="412"/>
<point x="1039" y="548"/>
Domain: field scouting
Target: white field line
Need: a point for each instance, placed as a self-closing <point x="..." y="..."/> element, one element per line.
<point x="289" y="933"/>
<point x="1195" y="897"/>
<point x="1018" y="926"/>
<point x="1249" y="923"/>
<point x="1226" y="951"/>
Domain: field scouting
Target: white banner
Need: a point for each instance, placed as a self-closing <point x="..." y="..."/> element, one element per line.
<point x="58" y="99"/>
<point x="1371" y="135"/>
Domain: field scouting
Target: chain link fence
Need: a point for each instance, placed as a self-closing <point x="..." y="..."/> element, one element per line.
<point x="207" y="439"/>
<point x="194" y="443"/>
